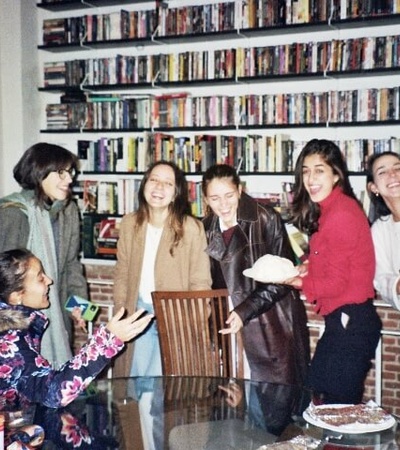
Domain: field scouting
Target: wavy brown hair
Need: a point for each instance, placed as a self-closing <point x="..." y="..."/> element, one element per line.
<point x="178" y="210"/>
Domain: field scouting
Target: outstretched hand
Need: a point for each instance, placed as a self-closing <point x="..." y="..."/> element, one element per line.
<point x="235" y="324"/>
<point x="130" y="327"/>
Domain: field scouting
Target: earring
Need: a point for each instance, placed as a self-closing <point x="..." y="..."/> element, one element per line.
<point x="376" y="194"/>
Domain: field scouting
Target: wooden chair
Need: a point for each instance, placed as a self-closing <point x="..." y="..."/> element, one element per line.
<point x="188" y="325"/>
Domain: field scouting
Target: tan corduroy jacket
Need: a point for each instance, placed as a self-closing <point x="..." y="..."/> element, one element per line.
<point x="187" y="269"/>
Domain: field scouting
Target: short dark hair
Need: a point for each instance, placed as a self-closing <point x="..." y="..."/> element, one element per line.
<point x="36" y="164"/>
<point x="13" y="267"/>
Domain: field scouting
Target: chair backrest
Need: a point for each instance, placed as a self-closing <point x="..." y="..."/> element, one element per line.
<point x="188" y="324"/>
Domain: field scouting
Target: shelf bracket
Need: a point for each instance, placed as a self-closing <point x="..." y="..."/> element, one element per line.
<point x="81" y="85"/>
<point x="154" y="80"/>
<point x="88" y="4"/>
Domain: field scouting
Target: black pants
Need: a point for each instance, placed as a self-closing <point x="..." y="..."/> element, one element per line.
<point x="343" y="354"/>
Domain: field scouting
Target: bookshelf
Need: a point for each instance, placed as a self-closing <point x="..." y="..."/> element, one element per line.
<point x="202" y="82"/>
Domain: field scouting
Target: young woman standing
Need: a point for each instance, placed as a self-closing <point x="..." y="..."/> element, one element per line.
<point x="161" y="247"/>
<point x="43" y="218"/>
<point x="239" y="231"/>
<point x="338" y="276"/>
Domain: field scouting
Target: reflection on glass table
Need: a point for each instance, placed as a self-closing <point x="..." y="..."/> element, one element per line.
<point x="192" y="413"/>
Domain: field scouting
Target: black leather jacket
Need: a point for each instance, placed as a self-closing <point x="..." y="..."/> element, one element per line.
<point x="275" y="334"/>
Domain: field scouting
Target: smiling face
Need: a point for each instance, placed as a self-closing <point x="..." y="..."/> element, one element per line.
<point x="386" y="176"/>
<point x="223" y="198"/>
<point x="160" y="189"/>
<point x="36" y="286"/>
<point x="318" y="177"/>
<point x="57" y="186"/>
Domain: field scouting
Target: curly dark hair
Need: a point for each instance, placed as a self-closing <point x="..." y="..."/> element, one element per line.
<point x="36" y="164"/>
<point x="13" y="267"/>
<point x="305" y="213"/>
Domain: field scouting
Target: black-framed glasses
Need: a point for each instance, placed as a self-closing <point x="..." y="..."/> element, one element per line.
<point x="63" y="173"/>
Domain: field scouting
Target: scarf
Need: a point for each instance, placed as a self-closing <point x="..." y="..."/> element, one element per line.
<point x="55" y="345"/>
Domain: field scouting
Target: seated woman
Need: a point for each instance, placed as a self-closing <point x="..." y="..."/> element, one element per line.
<point x="24" y="373"/>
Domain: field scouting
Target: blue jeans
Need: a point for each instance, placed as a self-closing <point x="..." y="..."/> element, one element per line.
<point x="146" y="356"/>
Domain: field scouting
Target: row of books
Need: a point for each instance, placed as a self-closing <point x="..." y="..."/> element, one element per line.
<point x="122" y="154"/>
<point x="108" y="197"/>
<point x="111" y="113"/>
<point x="100" y="236"/>
<point x="365" y="53"/>
<point x="298" y="58"/>
<point x="121" y="197"/>
<point x="196" y="153"/>
<point x="100" y="27"/>
<point x="181" y="110"/>
<point x="208" y="18"/>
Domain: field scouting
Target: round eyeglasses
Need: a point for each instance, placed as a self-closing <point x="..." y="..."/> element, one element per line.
<point x="63" y="173"/>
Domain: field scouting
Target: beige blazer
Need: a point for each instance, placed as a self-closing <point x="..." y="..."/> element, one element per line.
<point x="187" y="269"/>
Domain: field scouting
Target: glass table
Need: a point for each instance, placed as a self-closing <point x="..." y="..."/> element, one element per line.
<point x="193" y="413"/>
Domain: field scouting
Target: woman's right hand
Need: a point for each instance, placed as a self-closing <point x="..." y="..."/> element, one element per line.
<point x="130" y="327"/>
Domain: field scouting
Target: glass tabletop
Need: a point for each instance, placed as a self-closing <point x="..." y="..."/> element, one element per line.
<point x="194" y="413"/>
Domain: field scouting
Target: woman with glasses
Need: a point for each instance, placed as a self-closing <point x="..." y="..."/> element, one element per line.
<point x="42" y="218"/>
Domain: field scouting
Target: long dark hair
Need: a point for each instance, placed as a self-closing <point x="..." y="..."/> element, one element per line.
<point x="305" y="213"/>
<point x="219" y="171"/>
<point x="36" y="164"/>
<point x="13" y="267"/>
<point x="379" y="207"/>
<point x="178" y="209"/>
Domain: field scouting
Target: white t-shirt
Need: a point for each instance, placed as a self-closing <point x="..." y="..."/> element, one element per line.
<point x="386" y="237"/>
<point x="147" y="283"/>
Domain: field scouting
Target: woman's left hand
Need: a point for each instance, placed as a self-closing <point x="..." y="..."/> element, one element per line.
<point x="235" y="324"/>
<point x="78" y="319"/>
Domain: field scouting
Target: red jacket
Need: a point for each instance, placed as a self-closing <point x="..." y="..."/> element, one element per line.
<point x="342" y="259"/>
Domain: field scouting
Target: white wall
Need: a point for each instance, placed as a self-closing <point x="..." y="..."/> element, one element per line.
<point x="19" y="115"/>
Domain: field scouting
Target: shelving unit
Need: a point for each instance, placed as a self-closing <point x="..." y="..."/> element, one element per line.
<point x="243" y="88"/>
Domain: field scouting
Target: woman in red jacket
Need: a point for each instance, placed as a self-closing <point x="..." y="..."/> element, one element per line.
<point x="338" y="276"/>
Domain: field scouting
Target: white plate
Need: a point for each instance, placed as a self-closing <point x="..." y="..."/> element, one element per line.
<point x="352" y="428"/>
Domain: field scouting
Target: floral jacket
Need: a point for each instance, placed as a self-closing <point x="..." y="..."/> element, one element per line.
<point x="26" y="374"/>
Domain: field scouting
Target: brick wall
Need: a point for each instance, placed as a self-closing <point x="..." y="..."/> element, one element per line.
<point x="100" y="278"/>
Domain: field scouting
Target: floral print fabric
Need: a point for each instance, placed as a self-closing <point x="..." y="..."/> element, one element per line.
<point x="25" y="373"/>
